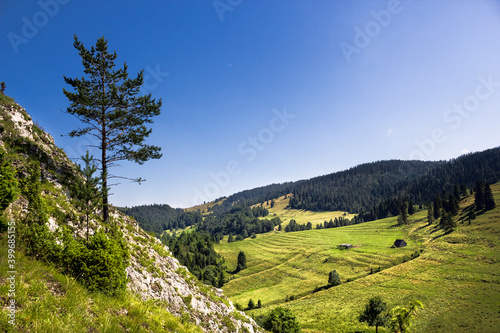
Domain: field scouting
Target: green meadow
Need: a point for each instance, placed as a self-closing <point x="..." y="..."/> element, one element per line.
<point x="301" y="216"/>
<point x="456" y="275"/>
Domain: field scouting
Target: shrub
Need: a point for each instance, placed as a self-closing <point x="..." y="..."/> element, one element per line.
<point x="105" y="261"/>
<point x="334" y="278"/>
<point x="281" y="320"/>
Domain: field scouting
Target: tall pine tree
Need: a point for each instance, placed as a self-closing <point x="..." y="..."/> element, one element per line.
<point x="489" y="200"/>
<point x="106" y="101"/>
<point x="479" y="196"/>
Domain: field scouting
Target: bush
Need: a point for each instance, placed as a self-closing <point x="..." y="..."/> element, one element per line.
<point x="8" y="184"/>
<point x="281" y="320"/>
<point x="104" y="264"/>
<point x="334" y="278"/>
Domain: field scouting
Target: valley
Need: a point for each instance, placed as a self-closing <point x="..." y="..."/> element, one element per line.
<point x="456" y="275"/>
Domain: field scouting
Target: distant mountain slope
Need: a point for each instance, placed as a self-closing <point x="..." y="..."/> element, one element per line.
<point x="157" y="218"/>
<point x="358" y="188"/>
<point x="363" y="187"/>
<point x="466" y="169"/>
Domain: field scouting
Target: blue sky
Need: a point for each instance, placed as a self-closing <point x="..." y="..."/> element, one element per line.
<point x="267" y="91"/>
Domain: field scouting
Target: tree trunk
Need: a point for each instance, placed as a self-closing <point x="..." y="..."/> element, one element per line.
<point x="105" y="211"/>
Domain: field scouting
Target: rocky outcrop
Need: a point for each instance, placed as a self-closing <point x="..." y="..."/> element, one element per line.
<point x="153" y="272"/>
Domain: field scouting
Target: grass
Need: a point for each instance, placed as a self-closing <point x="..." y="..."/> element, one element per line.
<point x="457" y="276"/>
<point x="301" y="216"/>
<point x="6" y="100"/>
<point x="48" y="301"/>
<point x="204" y="207"/>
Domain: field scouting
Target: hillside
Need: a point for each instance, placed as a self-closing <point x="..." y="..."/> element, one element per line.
<point x="455" y="276"/>
<point x="364" y="187"/>
<point x="160" y="293"/>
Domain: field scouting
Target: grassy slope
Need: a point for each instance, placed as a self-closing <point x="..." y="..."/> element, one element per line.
<point x="48" y="301"/>
<point x="204" y="207"/>
<point x="457" y="277"/>
<point x="301" y="216"/>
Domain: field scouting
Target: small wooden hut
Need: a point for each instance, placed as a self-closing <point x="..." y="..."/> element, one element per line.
<point x="399" y="243"/>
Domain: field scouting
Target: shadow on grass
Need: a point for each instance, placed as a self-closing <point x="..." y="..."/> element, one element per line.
<point x="446" y="232"/>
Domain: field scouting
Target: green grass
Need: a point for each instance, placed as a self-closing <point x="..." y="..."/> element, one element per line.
<point x="6" y="100"/>
<point x="48" y="301"/>
<point x="457" y="276"/>
<point x="301" y="216"/>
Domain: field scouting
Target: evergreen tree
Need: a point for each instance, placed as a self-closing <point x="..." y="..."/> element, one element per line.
<point x="251" y="304"/>
<point x="230" y="239"/>
<point x="411" y="208"/>
<point x="242" y="261"/>
<point x="430" y="213"/>
<point x="259" y="304"/>
<point x="447" y="222"/>
<point x="489" y="200"/>
<point x="479" y="199"/>
<point x="31" y="189"/>
<point x="437" y="207"/>
<point x="87" y="192"/>
<point x="106" y="102"/>
<point x="2" y="87"/>
<point x="334" y="278"/>
<point x="373" y="313"/>
<point x="403" y="214"/>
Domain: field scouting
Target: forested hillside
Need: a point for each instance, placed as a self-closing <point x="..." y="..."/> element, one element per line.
<point x="157" y="218"/>
<point x="357" y="188"/>
<point x="364" y="187"/>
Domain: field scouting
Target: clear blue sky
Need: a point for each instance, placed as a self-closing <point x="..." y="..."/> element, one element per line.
<point x="267" y="91"/>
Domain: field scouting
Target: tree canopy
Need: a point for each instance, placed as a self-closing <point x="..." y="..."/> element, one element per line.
<point x="106" y="102"/>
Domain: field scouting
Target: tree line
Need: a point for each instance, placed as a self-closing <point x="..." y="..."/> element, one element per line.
<point x="160" y="217"/>
<point x="240" y="220"/>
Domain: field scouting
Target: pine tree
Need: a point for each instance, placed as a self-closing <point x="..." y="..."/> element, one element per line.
<point x="251" y="304"/>
<point x="430" y="213"/>
<point x="437" y="207"/>
<point x="87" y="192"/>
<point x="242" y="261"/>
<point x="489" y="200"/>
<point x="454" y="206"/>
<point x="479" y="196"/>
<point x="106" y="102"/>
<point x="259" y="304"/>
<point x="411" y="208"/>
<point x="447" y="222"/>
<point x="403" y="214"/>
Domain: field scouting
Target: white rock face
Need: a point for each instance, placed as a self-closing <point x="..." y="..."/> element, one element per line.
<point x="168" y="281"/>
